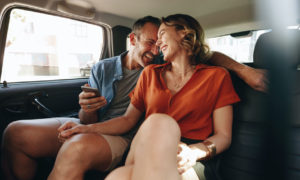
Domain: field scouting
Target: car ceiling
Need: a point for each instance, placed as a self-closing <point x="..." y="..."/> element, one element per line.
<point x="218" y="17"/>
<point x="230" y="15"/>
<point x="135" y="9"/>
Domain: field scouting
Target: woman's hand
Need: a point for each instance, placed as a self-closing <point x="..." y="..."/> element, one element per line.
<point x="70" y="128"/>
<point x="186" y="158"/>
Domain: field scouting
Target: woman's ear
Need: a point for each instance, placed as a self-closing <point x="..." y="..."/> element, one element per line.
<point x="132" y="39"/>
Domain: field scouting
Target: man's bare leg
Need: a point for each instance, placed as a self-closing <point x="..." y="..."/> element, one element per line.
<point x="153" y="153"/>
<point x="79" y="154"/>
<point x="26" y="140"/>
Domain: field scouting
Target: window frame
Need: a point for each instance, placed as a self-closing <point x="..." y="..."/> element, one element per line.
<point x="107" y="50"/>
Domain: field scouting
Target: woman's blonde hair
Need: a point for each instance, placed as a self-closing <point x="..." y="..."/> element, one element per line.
<point x="194" y="38"/>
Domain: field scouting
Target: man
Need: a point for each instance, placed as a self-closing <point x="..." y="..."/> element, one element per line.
<point x="27" y="140"/>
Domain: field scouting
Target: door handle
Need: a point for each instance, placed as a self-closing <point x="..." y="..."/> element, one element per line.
<point x="40" y="106"/>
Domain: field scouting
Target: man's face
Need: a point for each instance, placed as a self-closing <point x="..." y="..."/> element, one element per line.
<point x="145" y="44"/>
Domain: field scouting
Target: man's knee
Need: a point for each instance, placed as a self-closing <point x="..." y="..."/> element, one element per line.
<point x="83" y="145"/>
<point x="83" y="152"/>
<point x="73" y="147"/>
<point x="35" y="138"/>
<point x="14" y="134"/>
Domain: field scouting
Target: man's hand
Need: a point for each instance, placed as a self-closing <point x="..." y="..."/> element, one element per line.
<point x="70" y="128"/>
<point x="255" y="78"/>
<point x="89" y="102"/>
<point x="186" y="158"/>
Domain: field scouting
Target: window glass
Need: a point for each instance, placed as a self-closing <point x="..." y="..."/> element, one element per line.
<point x="239" y="48"/>
<point x="46" y="47"/>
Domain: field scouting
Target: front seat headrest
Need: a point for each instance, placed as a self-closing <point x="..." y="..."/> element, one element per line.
<point x="269" y="44"/>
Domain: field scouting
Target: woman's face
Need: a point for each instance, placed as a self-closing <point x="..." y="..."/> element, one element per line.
<point x="169" y="41"/>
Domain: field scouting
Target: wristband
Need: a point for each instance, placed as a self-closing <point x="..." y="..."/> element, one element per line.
<point x="211" y="147"/>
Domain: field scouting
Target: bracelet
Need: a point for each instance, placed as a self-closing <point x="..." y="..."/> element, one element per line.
<point x="211" y="147"/>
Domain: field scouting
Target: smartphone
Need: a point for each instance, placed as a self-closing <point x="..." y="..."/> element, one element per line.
<point x="90" y="89"/>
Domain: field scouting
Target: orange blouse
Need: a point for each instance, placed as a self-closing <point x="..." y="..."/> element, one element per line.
<point x="209" y="88"/>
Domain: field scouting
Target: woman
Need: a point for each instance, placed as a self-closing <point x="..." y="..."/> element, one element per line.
<point x="185" y="90"/>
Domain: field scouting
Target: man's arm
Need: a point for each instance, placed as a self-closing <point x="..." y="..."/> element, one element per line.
<point x="255" y="78"/>
<point x="87" y="118"/>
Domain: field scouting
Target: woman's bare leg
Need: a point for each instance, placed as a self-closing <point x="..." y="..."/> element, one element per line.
<point x="124" y="173"/>
<point x="153" y="153"/>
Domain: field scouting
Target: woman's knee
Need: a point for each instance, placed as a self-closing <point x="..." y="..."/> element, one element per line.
<point x="162" y="123"/>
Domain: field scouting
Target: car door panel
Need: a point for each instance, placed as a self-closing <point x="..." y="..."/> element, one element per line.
<point x="40" y="100"/>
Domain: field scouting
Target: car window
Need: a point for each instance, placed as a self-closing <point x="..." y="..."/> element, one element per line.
<point x="239" y="48"/>
<point x="47" y="47"/>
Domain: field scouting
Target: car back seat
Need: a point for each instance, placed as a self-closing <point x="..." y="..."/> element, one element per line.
<point x="256" y="123"/>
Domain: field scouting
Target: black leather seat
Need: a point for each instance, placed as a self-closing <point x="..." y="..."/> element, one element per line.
<point x="266" y="129"/>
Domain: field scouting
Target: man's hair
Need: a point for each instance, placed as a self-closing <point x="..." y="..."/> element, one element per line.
<point x="139" y="24"/>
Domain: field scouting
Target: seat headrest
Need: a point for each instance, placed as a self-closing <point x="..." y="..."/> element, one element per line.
<point x="286" y="42"/>
<point x="120" y="34"/>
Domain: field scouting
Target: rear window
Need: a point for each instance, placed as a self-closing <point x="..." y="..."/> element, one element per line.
<point x="239" y="48"/>
<point x="47" y="47"/>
